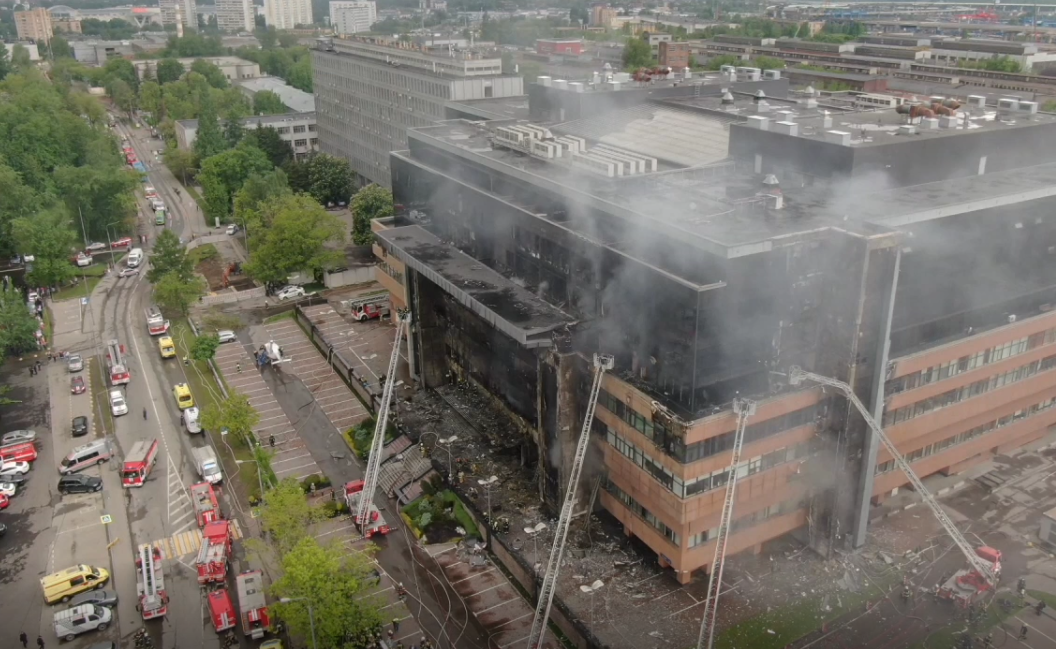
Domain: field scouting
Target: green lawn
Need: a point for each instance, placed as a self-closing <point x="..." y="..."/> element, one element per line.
<point x="285" y="315"/>
<point x="95" y="270"/>
<point x="948" y="636"/>
<point x="201" y="253"/>
<point x="441" y="501"/>
<point x="76" y="290"/>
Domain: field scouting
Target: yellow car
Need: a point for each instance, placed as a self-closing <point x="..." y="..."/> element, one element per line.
<point x="166" y="347"/>
<point x="183" y="396"/>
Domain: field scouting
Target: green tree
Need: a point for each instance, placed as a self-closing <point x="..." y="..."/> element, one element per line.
<point x="101" y="192"/>
<point x="20" y="60"/>
<point x="18" y="327"/>
<point x="16" y="200"/>
<point x="49" y="237"/>
<point x="287" y="40"/>
<point x="209" y="140"/>
<point x="212" y="73"/>
<point x="235" y="414"/>
<point x="286" y="514"/>
<point x="169" y="70"/>
<point x="371" y="202"/>
<point x="204" y="347"/>
<point x="716" y="62"/>
<point x="175" y="295"/>
<point x="256" y="193"/>
<point x="169" y="256"/>
<point x="637" y="54"/>
<point x="266" y="102"/>
<point x="180" y="162"/>
<point x="123" y="96"/>
<point x="233" y="131"/>
<point x="150" y="100"/>
<point x="268" y="140"/>
<point x="329" y="179"/>
<point x="768" y="63"/>
<point x="268" y="38"/>
<point x="222" y="176"/>
<point x="5" y="64"/>
<point x="296" y="238"/>
<point x="300" y="75"/>
<point x="336" y="584"/>
<point x="124" y="70"/>
<point x="60" y="48"/>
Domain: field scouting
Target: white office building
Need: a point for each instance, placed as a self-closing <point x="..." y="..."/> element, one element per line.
<point x="182" y="13"/>
<point x="234" y="15"/>
<point x="353" y="16"/>
<point x="287" y="14"/>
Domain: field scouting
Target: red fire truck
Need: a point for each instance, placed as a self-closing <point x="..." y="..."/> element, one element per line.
<point x="115" y="363"/>
<point x="252" y="605"/>
<point x="156" y="322"/>
<point x="25" y="452"/>
<point x="206" y="507"/>
<point x="370" y="307"/>
<point x="376" y="523"/>
<point x="139" y="462"/>
<point x="967" y="585"/>
<point x="213" y="554"/>
<point x="221" y="610"/>
<point x="153" y="600"/>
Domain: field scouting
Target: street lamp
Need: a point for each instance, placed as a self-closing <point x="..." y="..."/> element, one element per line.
<point x="311" y="617"/>
<point x="487" y="488"/>
<point x="533" y="532"/>
<point x="590" y="590"/>
<point x="446" y="442"/>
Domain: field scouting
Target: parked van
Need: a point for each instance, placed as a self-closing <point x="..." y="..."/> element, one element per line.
<point x="135" y="258"/>
<point x="85" y="456"/>
<point x="62" y="585"/>
<point x="192" y="419"/>
<point x="80" y="619"/>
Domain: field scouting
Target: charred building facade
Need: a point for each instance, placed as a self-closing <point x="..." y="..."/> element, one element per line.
<point x="758" y="234"/>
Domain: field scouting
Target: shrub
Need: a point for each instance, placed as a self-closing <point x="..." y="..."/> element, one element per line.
<point x="320" y="482"/>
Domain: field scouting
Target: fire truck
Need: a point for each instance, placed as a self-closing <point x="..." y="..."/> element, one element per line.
<point x="153" y="600"/>
<point x="206" y="507"/>
<point x="215" y="550"/>
<point x="221" y="610"/>
<point x="252" y="605"/>
<point x="25" y="452"/>
<point x="115" y="363"/>
<point x="967" y="585"/>
<point x="368" y="308"/>
<point x="376" y="523"/>
<point x="139" y="462"/>
<point x="156" y="323"/>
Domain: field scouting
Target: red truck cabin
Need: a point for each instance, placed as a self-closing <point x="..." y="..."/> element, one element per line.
<point x="221" y="610"/>
<point x="214" y="552"/>
<point x="25" y="452"/>
<point x="206" y="507"/>
<point x="138" y="463"/>
<point x="252" y="604"/>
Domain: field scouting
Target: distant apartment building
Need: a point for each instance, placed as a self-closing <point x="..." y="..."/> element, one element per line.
<point x="297" y="129"/>
<point x="287" y="14"/>
<point x="572" y="46"/>
<point x="182" y="13"/>
<point x="353" y="16"/>
<point x="67" y="26"/>
<point x="234" y="68"/>
<point x="674" y="55"/>
<point x="234" y="15"/>
<point x="368" y="92"/>
<point x="655" y="40"/>
<point x="602" y="16"/>
<point x="31" y="48"/>
<point x="34" y="25"/>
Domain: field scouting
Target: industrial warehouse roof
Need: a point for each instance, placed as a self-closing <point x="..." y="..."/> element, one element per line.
<point x="511" y="308"/>
<point x="296" y="100"/>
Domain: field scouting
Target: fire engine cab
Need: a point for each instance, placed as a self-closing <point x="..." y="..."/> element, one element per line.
<point x="115" y="363"/>
<point x="25" y="452"/>
<point x="252" y="605"/>
<point x="370" y="307"/>
<point x="139" y="462"/>
<point x="206" y="507"/>
<point x="221" y="610"/>
<point x="967" y="585"/>
<point x="375" y="523"/>
<point x="153" y="600"/>
<point x="213" y="554"/>
<point x="156" y="323"/>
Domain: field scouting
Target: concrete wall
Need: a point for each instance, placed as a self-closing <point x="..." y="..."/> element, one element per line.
<point x="349" y="276"/>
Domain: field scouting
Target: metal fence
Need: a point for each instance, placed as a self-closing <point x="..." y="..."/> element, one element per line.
<point x="341" y="366"/>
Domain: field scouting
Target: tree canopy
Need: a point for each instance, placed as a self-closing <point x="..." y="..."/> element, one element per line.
<point x="371" y="202"/>
<point x="637" y="54"/>
<point x="18" y="327"/>
<point x="169" y="256"/>
<point x="328" y="179"/>
<point x="296" y="237"/>
<point x="211" y="72"/>
<point x="49" y="237"/>
<point x="222" y="175"/>
<point x="266" y="102"/>
<point x="235" y="414"/>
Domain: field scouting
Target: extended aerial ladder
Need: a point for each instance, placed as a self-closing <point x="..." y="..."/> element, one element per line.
<point x="602" y="363"/>
<point x="370" y="479"/>
<point x="744" y="408"/>
<point x="986" y="569"/>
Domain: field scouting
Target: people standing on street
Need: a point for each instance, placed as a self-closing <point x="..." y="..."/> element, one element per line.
<point x="396" y="624"/>
<point x="24" y="639"/>
<point x="1023" y="632"/>
<point x="40" y="641"/>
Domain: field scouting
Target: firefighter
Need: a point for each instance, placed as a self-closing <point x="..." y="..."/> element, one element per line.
<point x="906" y="594"/>
<point x="1023" y="632"/>
<point x="1039" y="607"/>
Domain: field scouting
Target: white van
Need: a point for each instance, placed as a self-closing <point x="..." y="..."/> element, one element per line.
<point x="135" y="258"/>
<point x="80" y="619"/>
<point x="192" y="420"/>
<point x="85" y="456"/>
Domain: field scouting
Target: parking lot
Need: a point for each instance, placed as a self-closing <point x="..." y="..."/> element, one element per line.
<point x="292" y="459"/>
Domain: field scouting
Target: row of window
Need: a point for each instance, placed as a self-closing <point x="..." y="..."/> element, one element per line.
<point x="715" y="479"/>
<point x="642" y="512"/>
<point x="968" y="363"/>
<point x="743" y="523"/>
<point x="969" y="435"/>
<point x="925" y="406"/>
<point x="675" y="446"/>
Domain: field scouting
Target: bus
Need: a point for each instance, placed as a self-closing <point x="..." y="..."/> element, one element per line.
<point x="159" y="217"/>
<point x="140" y="167"/>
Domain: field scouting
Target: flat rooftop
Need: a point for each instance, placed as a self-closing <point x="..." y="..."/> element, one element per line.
<point x="496" y="107"/>
<point x="511" y="308"/>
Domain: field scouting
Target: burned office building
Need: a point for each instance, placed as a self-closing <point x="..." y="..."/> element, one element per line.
<point x="710" y="242"/>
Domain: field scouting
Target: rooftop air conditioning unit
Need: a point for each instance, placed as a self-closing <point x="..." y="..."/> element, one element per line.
<point x="758" y="122"/>
<point x="543" y="81"/>
<point x="838" y="137"/>
<point x="979" y="101"/>
<point x="1029" y="107"/>
<point x="771" y="74"/>
<point x="788" y="128"/>
<point x="561" y="84"/>
<point x="907" y="129"/>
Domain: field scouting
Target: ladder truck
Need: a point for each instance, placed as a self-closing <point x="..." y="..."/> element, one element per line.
<point x="744" y="408"/>
<point x="115" y="362"/>
<point x="370" y="479"/>
<point x="602" y="363"/>
<point x="984" y="563"/>
<point x="153" y="600"/>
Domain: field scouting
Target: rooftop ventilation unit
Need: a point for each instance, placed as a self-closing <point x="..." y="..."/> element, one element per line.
<point x="762" y="107"/>
<point x="979" y="101"/>
<point x="948" y="121"/>
<point x="1028" y="107"/>
<point x="826" y="120"/>
<point x="929" y="124"/>
<point x="561" y="84"/>
<point x="907" y="129"/>
<point x="758" y="122"/>
<point x="575" y="86"/>
<point x="838" y="137"/>
<point x="595" y="166"/>
<point x="771" y="75"/>
<point x="750" y="74"/>
<point x="543" y="81"/>
<point x="727" y="98"/>
<point x="687" y="73"/>
<point x="625" y="165"/>
<point x="786" y="115"/>
<point x="571" y="144"/>
<point x="622" y="77"/>
<point x="644" y="163"/>
<point x="614" y="85"/>
<point x="787" y="128"/>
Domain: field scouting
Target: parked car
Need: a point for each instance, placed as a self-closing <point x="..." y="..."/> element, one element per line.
<point x="123" y="242"/>
<point x="8" y="489"/>
<point x="95" y="245"/>
<point x="77" y="385"/>
<point x="226" y="336"/>
<point x="78" y="483"/>
<point x="290" y="292"/>
<point x="16" y="479"/>
<point x="74" y="363"/>
<point x="97" y="597"/>
<point x="82" y="260"/>
<point x="4" y="501"/>
<point x="13" y="469"/>
<point x="18" y="437"/>
<point x="80" y="426"/>
<point x="128" y="272"/>
<point x="32" y="296"/>
<point x="118" y="406"/>
<point x="3" y="529"/>
<point x="232" y="229"/>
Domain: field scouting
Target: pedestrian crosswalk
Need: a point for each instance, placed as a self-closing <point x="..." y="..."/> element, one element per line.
<point x="185" y="543"/>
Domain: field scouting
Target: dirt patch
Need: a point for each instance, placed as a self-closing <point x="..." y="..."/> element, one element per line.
<point x="214" y="269"/>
